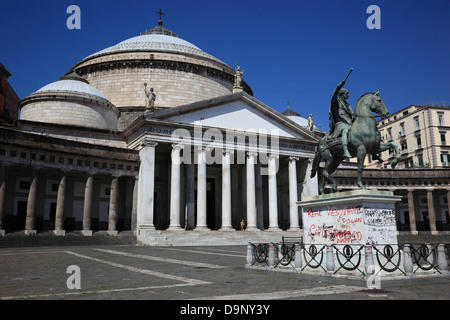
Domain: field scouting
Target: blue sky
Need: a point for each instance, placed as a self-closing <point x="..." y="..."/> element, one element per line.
<point x="295" y="51"/>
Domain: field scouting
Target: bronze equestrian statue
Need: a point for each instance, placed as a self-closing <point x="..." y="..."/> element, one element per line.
<point x="352" y="134"/>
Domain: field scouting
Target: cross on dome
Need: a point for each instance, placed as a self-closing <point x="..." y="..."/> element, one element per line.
<point x="160" y="14"/>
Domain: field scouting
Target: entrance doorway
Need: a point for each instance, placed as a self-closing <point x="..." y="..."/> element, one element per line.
<point x="211" y="204"/>
<point x="21" y="215"/>
<point x="426" y="221"/>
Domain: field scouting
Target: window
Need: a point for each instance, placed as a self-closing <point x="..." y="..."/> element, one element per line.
<point x="404" y="146"/>
<point x="389" y="134"/>
<point x="445" y="159"/>
<point x="441" y="119"/>
<point x="402" y="129"/>
<point x="405" y="112"/>
<point x="24" y="185"/>
<point x="420" y="161"/>
<point x="443" y="138"/>
<point x="419" y="142"/>
<point x="416" y="123"/>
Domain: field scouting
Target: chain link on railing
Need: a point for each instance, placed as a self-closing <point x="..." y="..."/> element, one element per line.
<point x="406" y="258"/>
<point x="313" y="253"/>
<point x="392" y="257"/>
<point x="349" y="254"/>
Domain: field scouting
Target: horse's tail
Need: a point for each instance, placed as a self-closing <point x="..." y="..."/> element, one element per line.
<point x="316" y="162"/>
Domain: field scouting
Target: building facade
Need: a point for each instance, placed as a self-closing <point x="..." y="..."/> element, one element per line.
<point x="9" y="101"/>
<point x="421" y="134"/>
<point x="152" y="134"/>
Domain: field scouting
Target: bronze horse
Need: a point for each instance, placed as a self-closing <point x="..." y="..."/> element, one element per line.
<point x="363" y="138"/>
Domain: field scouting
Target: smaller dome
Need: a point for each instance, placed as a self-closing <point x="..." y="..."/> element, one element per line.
<point x="294" y="116"/>
<point x="72" y="86"/>
<point x="70" y="101"/>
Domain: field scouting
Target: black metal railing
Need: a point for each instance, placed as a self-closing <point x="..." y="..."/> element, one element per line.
<point x="406" y="259"/>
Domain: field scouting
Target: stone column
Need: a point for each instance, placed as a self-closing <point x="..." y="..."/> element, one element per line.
<point x="59" y="215"/>
<point x="226" y="190"/>
<point x="201" y="190"/>
<point x="3" y="177"/>
<point x="175" y="188"/>
<point x="310" y="185"/>
<point x="134" y="206"/>
<point x="411" y="211"/>
<point x="31" y="205"/>
<point x="146" y="188"/>
<point x="293" y="207"/>
<point x="88" y="191"/>
<point x="251" y="193"/>
<point x="190" y="197"/>
<point x="431" y="212"/>
<point x="273" y="198"/>
<point x="113" y="196"/>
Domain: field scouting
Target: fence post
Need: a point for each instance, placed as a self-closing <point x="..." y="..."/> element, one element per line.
<point x="249" y="254"/>
<point x="298" y="257"/>
<point x="430" y="256"/>
<point x="369" y="265"/>
<point x="407" y="259"/>
<point x="442" y="259"/>
<point x="330" y="259"/>
<point x="280" y="253"/>
<point x="271" y="257"/>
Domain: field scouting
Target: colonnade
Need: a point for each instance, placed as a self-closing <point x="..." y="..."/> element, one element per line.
<point x="430" y="208"/>
<point x="30" y="220"/>
<point x="146" y="187"/>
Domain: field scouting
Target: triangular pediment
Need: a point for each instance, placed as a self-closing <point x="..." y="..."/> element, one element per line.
<point x="237" y="112"/>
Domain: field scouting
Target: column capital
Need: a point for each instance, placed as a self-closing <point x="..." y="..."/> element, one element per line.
<point x="229" y="151"/>
<point x="202" y="149"/>
<point x="148" y="143"/>
<point x="293" y="158"/>
<point x="274" y="156"/>
<point x="252" y="154"/>
<point x="179" y="146"/>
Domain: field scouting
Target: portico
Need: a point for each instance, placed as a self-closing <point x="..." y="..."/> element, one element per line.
<point x="237" y="172"/>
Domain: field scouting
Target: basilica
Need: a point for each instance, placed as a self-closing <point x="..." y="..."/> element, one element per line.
<point x="153" y="133"/>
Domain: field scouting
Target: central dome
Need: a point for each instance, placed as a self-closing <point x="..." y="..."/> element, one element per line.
<point x="178" y="71"/>
<point x="156" y="42"/>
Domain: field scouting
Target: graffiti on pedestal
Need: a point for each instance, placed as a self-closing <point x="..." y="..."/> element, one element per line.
<point x="348" y="224"/>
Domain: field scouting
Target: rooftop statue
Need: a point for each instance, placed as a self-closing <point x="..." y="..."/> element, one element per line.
<point x="238" y="77"/>
<point x="310" y="123"/>
<point x="151" y="97"/>
<point x="352" y="134"/>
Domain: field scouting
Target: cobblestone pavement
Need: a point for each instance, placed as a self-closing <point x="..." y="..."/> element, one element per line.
<point x="118" y="272"/>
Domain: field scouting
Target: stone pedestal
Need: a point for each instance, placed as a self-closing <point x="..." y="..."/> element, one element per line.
<point x="350" y="217"/>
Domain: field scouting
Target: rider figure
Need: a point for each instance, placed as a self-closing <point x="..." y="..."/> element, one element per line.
<point x="340" y="117"/>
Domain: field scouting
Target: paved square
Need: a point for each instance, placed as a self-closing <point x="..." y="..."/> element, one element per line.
<point x="180" y="273"/>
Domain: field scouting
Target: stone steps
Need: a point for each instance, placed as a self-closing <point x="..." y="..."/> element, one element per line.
<point x="223" y="238"/>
